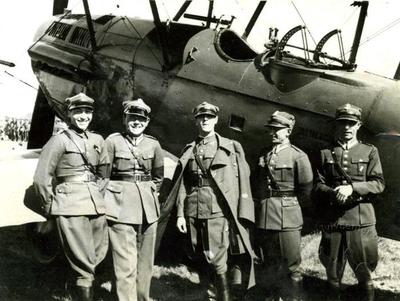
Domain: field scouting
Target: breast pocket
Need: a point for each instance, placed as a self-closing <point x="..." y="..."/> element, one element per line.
<point x="94" y="154"/>
<point x="148" y="160"/>
<point x="359" y="165"/>
<point x="73" y="156"/>
<point x="123" y="160"/>
<point x="284" y="173"/>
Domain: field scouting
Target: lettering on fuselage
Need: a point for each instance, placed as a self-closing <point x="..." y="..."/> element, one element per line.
<point x="309" y="133"/>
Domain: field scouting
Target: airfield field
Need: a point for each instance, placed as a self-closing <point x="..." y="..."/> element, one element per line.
<point x="23" y="279"/>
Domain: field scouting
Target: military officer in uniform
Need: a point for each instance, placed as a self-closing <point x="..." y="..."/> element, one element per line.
<point x="284" y="180"/>
<point x="212" y="192"/>
<point x="69" y="178"/>
<point x="132" y="202"/>
<point x="349" y="176"/>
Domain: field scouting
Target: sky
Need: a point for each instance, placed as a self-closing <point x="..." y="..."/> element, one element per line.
<point x="378" y="54"/>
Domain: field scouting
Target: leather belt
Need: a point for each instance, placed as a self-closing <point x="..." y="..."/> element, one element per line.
<point x="86" y="177"/>
<point x="131" y="178"/>
<point x="278" y="193"/>
<point x="200" y="182"/>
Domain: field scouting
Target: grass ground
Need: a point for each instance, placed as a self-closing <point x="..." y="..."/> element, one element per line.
<point x="22" y="279"/>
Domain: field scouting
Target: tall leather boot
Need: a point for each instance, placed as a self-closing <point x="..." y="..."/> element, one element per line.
<point x="297" y="293"/>
<point x="367" y="291"/>
<point x="223" y="292"/>
<point x="82" y="293"/>
<point x="333" y="292"/>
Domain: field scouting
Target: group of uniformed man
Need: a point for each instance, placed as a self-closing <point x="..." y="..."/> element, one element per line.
<point x="14" y="129"/>
<point x="105" y="192"/>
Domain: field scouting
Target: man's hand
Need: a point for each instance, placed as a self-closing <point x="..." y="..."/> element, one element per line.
<point x="181" y="224"/>
<point x="343" y="192"/>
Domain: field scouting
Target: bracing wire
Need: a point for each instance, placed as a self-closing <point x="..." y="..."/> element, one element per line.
<point x="378" y="33"/>
<point x="349" y="17"/>
<point x="166" y="10"/>
<point x="304" y="22"/>
<point x="141" y="38"/>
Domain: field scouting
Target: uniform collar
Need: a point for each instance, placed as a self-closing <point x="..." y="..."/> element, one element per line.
<point x="206" y="140"/>
<point x="136" y="140"/>
<point x="277" y="148"/>
<point x="79" y="133"/>
<point x="349" y="144"/>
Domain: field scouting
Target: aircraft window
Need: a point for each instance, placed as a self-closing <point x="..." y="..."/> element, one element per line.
<point x="104" y="19"/>
<point x="236" y="123"/>
<point x="232" y="47"/>
<point x="59" y="30"/>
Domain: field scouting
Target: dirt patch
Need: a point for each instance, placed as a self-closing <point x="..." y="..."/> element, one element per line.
<point x="22" y="279"/>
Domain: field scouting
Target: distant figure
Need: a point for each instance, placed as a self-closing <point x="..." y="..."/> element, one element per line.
<point x="349" y="177"/>
<point x="2" y="131"/>
<point x="69" y="177"/>
<point x="212" y="192"/>
<point x="283" y="182"/>
<point x="137" y="171"/>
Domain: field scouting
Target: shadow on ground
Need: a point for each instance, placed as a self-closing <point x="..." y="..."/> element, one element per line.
<point x="22" y="279"/>
<point x="315" y="290"/>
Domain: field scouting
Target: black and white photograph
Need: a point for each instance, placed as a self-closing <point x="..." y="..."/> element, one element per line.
<point x="220" y="150"/>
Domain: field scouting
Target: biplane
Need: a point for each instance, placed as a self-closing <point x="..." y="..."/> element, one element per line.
<point x="174" y="66"/>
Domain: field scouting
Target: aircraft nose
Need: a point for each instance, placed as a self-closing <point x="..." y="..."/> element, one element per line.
<point x="384" y="124"/>
<point x="384" y="115"/>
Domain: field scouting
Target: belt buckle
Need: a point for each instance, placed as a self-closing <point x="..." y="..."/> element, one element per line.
<point x="136" y="178"/>
<point x="86" y="177"/>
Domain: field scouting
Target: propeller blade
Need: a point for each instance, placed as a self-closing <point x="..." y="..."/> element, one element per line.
<point x="42" y="122"/>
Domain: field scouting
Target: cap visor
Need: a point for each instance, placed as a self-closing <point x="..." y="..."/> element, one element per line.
<point x="136" y="114"/>
<point x="275" y="125"/>
<point x="80" y="106"/>
<point x="350" y="118"/>
<point x="205" y="114"/>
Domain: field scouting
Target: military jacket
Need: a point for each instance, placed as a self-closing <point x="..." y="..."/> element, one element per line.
<point x="134" y="202"/>
<point x="200" y="201"/>
<point x="60" y="158"/>
<point x="362" y="164"/>
<point x="230" y="173"/>
<point x="292" y="173"/>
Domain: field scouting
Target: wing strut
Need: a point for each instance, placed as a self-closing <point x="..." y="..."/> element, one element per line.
<point x="254" y="18"/>
<point x="209" y="15"/>
<point x="7" y="63"/>
<point x="160" y="31"/>
<point x="90" y="25"/>
<point x="182" y="10"/>
<point x="359" y="29"/>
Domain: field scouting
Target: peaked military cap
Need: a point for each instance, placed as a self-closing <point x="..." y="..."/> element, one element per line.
<point x="136" y="107"/>
<point x="80" y="100"/>
<point x="280" y="119"/>
<point x="348" y="112"/>
<point x="205" y="108"/>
